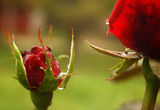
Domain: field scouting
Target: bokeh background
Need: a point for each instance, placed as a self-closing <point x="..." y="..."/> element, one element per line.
<point x="89" y="90"/>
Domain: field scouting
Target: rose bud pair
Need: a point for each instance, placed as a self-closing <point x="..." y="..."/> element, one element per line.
<point x="136" y="23"/>
<point x="38" y="71"/>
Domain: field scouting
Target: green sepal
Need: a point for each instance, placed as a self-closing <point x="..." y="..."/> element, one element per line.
<point x="126" y="55"/>
<point x="148" y="73"/>
<point x="49" y="83"/>
<point x="20" y="69"/>
<point x="70" y="65"/>
<point x="122" y="67"/>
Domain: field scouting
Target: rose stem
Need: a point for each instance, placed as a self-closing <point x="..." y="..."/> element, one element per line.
<point x="41" y="101"/>
<point x="152" y="86"/>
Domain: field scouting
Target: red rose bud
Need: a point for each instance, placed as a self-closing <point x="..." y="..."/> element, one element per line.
<point x="38" y="71"/>
<point x="136" y="23"/>
<point x="34" y="61"/>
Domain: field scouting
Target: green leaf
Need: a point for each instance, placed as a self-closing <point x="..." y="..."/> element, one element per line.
<point x="126" y="55"/>
<point x="20" y="69"/>
<point x="122" y="67"/>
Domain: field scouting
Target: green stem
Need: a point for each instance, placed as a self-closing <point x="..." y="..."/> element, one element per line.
<point x="150" y="96"/>
<point x="40" y="109"/>
<point x="152" y="86"/>
<point x="41" y="101"/>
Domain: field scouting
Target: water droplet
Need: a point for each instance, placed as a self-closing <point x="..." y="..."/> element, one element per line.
<point x="60" y="88"/>
<point x="62" y="74"/>
<point x="124" y="54"/>
<point x="107" y="22"/>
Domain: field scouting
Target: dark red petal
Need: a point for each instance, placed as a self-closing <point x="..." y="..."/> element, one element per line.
<point x="116" y="11"/>
<point x="36" y="50"/>
<point x="34" y="60"/>
<point x="24" y="53"/>
<point x="54" y="64"/>
<point x="55" y="67"/>
<point x="35" y="75"/>
<point x="137" y="25"/>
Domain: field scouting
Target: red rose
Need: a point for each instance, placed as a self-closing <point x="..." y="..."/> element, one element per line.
<point x="136" y="23"/>
<point x="33" y="61"/>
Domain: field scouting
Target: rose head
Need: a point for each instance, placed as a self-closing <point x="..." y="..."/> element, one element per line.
<point x="34" y="61"/>
<point x="38" y="71"/>
<point x="136" y="23"/>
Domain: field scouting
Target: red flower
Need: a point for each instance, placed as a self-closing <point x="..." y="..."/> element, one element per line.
<point x="33" y="61"/>
<point x="136" y="23"/>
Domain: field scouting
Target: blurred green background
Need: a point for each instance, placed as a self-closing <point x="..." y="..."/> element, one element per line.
<point x="89" y="90"/>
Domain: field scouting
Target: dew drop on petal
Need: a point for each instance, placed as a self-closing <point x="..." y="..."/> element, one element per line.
<point x="107" y="22"/>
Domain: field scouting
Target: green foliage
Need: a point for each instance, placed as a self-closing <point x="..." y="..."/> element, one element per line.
<point x="50" y="82"/>
<point x="123" y="66"/>
<point x="71" y="62"/>
<point x="20" y="69"/>
<point x="147" y="72"/>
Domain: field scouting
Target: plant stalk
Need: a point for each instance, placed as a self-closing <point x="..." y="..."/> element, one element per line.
<point x="152" y="86"/>
<point x="150" y="96"/>
<point x="41" y="101"/>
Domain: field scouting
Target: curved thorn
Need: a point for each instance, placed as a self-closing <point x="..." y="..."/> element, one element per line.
<point x="129" y="55"/>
